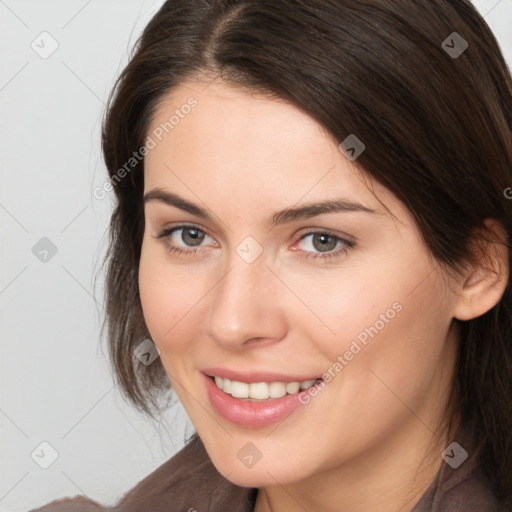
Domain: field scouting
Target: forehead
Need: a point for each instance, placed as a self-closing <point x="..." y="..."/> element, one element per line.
<point x="224" y="113"/>
<point x="219" y="140"/>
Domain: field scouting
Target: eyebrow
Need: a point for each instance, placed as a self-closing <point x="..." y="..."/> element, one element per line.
<point x="282" y="216"/>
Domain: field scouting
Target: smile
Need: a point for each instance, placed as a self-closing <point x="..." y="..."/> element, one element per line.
<point x="262" y="402"/>
<point x="261" y="390"/>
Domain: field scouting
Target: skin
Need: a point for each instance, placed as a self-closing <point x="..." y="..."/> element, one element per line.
<point x="243" y="157"/>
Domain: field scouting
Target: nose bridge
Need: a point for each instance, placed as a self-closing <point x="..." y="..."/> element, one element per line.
<point x="244" y="303"/>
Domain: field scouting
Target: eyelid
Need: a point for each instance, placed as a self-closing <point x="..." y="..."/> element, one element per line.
<point x="170" y="229"/>
<point x="327" y="231"/>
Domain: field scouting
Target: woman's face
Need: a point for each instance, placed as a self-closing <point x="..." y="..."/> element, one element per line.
<point x="242" y="278"/>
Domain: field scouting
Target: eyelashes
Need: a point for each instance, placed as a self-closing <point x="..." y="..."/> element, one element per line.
<point x="195" y="233"/>
<point x="344" y="245"/>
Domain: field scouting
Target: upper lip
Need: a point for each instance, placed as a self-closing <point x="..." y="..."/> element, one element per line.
<point x="255" y="376"/>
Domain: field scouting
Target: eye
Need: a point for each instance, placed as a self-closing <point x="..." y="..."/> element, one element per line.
<point x="326" y="242"/>
<point x="191" y="236"/>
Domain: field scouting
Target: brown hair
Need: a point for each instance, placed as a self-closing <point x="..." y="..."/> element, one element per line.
<point x="437" y="131"/>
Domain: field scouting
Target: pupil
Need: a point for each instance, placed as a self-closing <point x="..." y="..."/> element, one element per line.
<point x="193" y="235"/>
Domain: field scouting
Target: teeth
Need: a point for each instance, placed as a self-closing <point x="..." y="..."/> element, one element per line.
<point x="218" y="381"/>
<point x="307" y="384"/>
<point x="239" y="389"/>
<point x="258" y="390"/>
<point x="277" y="389"/>
<point x="292" y="387"/>
<point x="261" y="390"/>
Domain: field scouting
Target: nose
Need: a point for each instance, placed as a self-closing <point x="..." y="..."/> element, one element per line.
<point x="246" y="306"/>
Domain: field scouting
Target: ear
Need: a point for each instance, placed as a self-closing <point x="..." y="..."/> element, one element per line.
<point x="484" y="282"/>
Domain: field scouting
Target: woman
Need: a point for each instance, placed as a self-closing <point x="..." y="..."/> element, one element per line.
<point x="312" y="227"/>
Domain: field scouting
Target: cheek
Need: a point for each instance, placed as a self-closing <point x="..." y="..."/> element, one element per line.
<point x="391" y="318"/>
<point x="168" y="294"/>
<point x="399" y="358"/>
<point x="356" y="303"/>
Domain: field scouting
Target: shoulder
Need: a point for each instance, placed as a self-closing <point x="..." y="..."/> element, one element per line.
<point x="463" y="486"/>
<point x="473" y="492"/>
<point x="187" y="482"/>
<point x="78" y="504"/>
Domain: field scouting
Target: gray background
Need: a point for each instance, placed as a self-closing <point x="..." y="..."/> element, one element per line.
<point x="55" y="383"/>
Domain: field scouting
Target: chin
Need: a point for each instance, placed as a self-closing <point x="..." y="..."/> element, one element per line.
<point x="266" y="472"/>
<point x="259" y="478"/>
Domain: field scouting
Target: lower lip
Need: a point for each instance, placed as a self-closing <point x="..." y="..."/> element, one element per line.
<point x="250" y="414"/>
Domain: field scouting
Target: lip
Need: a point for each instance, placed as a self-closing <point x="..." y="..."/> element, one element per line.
<point x="254" y="376"/>
<point x="250" y="414"/>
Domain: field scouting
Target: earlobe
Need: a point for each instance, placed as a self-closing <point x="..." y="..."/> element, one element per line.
<point x="484" y="283"/>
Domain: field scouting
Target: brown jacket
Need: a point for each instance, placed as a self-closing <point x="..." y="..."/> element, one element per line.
<point x="188" y="482"/>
